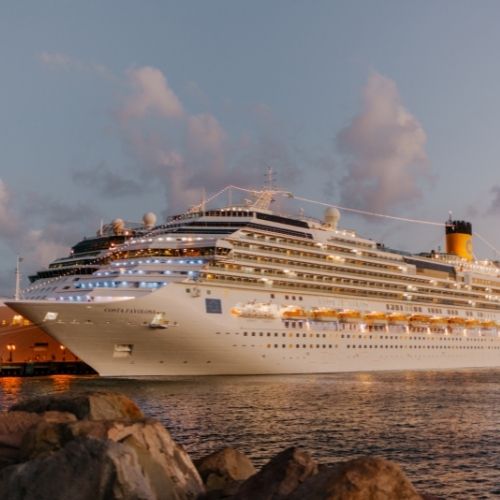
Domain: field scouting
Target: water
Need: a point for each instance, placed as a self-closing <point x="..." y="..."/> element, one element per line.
<point x="443" y="428"/>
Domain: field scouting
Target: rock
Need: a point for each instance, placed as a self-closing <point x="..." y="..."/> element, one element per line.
<point x="224" y="470"/>
<point x="85" y="469"/>
<point x="157" y="461"/>
<point x="279" y="477"/>
<point x="95" y="405"/>
<point x="14" y="426"/>
<point x="360" y="479"/>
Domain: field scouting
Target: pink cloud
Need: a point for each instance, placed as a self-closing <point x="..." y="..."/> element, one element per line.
<point x="151" y="95"/>
<point x="384" y="146"/>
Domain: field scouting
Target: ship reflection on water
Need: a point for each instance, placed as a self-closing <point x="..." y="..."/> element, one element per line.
<point x="442" y="427"/>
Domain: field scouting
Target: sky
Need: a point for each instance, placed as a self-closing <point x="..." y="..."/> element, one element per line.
<point x="116" y="108"/>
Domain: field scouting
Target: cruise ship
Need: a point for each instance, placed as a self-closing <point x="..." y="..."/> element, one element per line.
<point x="244" y="289"/>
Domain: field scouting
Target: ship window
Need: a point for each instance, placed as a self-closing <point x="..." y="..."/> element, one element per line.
<point x="213" y="306"/>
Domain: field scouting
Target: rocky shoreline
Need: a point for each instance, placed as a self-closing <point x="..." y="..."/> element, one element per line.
<point x="100" y="446"/>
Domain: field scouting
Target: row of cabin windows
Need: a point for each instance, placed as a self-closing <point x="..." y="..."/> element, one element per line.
<point x="335" y="269"/>
<point x="448" y="286"/>
<point x="350" y="292"/>
<point x="372" y="346"/>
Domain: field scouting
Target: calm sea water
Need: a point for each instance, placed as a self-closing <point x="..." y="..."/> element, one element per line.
<point x="443" y="428"/>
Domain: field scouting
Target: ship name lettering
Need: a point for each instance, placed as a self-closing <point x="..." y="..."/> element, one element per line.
<point x="129" y="310"/>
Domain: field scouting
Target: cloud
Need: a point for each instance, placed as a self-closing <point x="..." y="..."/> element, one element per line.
<point x="151" y="95"/>
<point x="58" y="60"/>
<point x="60" y="226"/>
<point x="102" y="180"/>
<point x="384" y="149"/>
<point x="205" y="147"/>
<point x="494" y="207"/>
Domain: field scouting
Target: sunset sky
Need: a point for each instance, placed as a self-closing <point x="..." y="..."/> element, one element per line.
<point x="115" y="108"/>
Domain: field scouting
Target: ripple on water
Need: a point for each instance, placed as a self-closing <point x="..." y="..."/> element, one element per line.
<point x="443" y="428"/>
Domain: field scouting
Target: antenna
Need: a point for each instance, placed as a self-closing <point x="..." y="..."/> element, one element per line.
<point x="17" y="293"/>
<point x="270" y="177"/>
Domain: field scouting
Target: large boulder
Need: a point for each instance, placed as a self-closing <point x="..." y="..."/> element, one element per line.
<point x="158" y="461"/>
<point x="95" y="405"/>
<point x="84" y="469"/>
<point x="16" y="424"/>
<point x="279" y="477"/>
<point x="224" y="470"/>
<point x="360" y="479"/>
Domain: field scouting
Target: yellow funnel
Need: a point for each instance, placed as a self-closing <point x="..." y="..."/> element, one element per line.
<point x="459" y="238"/>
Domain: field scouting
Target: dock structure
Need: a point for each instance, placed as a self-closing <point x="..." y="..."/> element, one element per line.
<point x="26" y="350"/>
<point x="40" y="368"/>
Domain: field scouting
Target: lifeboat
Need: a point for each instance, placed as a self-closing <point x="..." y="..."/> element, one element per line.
<point x="255" y="310"/>
<point x="438" y="321"/>
<point x="456" y="321"/>
<point x="375" y="317"/>
<point x="471" y="323"/>
<point x="419" y="318"/>
<point x="397" y="318"/>
<point x="323" y="314"/>
<point x="488" y="324"/>
<point x="293" y="312"/>
<point x="349" y="316"/>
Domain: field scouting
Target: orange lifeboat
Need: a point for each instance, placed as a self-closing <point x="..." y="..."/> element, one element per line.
<point x="438" y="321"/>
<point x="419" y="318"/>
<point x="471" y="323"/>
<point x="456" y="321"/>
<point x="323" y="314"/>
<point x="349" y="316"/>
<point x="397" y="318"/>
<point x="488" y="324"/>
<point x="293" y="312"/>
<point x="375" y="317"/>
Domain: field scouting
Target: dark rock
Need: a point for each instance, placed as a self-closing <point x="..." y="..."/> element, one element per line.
<point x="15" y="425"/>
<point x="279" y="477"/>
<point x="85" y="469"/>
<point x="224" y="470"/>
<point x="96" y="405"/>
<point x="226" y="462"/>
<point x="360" y="479"/>
<point x="159" y="465"/>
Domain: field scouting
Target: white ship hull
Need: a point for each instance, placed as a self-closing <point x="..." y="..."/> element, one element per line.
<point x="118" y="338"/>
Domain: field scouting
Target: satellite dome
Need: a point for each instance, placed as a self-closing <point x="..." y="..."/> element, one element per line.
<point x="332" y="217"/>
<point x="149" y="220"/>
<point x="118" y="226"/>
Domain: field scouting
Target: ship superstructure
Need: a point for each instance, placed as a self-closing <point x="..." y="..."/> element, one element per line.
<point x="85" y="257"/>
<point x="244" y="289"/>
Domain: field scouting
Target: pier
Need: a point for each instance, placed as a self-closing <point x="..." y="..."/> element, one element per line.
<point x="38" y="368"/>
